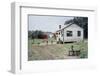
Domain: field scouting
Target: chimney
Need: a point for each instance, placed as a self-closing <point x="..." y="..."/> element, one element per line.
<point x="59" y="26"/>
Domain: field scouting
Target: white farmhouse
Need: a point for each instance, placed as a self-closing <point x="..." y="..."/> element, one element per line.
<point x="69" y="33"/>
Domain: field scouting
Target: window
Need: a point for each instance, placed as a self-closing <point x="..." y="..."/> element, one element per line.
<point x="69" y="33"/>
<point x="59" y="33"/>
<point x="78" y="33"/>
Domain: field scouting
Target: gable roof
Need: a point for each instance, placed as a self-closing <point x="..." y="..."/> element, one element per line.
<point x="68" y="26"/>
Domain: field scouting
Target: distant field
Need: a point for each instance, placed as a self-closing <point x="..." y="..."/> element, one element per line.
<point x="53" y="51"/>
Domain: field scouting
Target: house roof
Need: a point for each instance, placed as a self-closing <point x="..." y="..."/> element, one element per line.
<point x="67" y="27"/>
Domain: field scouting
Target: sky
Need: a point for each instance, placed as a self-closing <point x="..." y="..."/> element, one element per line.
<point x="46" y="23"/>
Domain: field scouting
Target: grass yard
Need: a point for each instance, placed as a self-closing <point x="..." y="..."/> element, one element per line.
<point x="54" y="51"/>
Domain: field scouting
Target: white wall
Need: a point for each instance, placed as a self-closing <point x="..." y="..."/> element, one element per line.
<point x="74" y="28"/>
<point x="5" y="42"/>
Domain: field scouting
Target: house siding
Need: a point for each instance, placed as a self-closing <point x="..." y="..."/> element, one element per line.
<point x="74" y="28"/>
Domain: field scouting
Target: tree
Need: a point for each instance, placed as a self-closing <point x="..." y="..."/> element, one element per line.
<point x="30" y="34"/>
<point x="37" y="34"/>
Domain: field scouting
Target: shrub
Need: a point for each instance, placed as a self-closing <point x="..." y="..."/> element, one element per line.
<point x="83" y="54"/>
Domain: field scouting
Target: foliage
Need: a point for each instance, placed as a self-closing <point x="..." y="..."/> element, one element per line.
<point x="83" y="54"/>
<point x="30" y="34"/>
<point x="37" y="35"/>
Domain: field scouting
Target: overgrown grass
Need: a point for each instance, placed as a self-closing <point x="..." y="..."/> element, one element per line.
<point x="83" y="54"/>
<point x="55" y="51"/>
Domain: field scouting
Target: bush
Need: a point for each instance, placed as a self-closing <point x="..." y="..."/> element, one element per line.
<point x="83" y="54"/>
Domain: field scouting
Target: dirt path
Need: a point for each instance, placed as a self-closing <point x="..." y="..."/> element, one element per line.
<point x="49" y="52"/>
